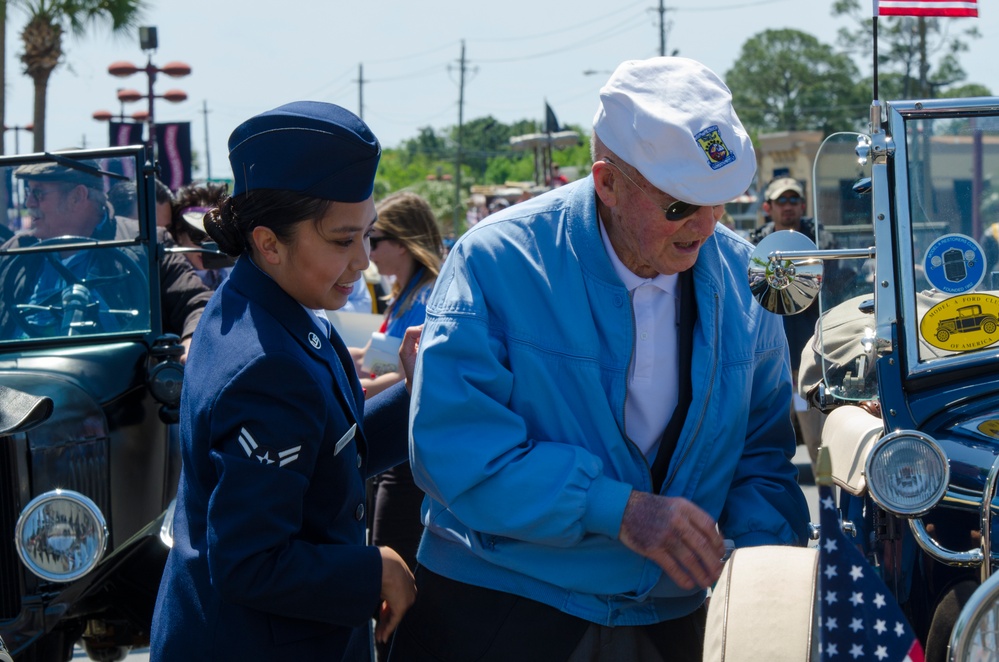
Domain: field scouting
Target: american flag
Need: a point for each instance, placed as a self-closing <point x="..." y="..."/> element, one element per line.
<point x="859" y="617"/>
<point x="953" y="8"/>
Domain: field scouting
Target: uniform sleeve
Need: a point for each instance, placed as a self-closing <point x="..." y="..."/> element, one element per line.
<point x="266" y="445"/>
<point x="386" y="428"/>
<point x="765" y="504"/>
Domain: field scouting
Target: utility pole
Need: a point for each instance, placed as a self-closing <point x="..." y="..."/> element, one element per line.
<point x="208" y="154"/>
<point x="360" y="90"/>
<point x="457" y="152"/>
<point x="662" y="28"/>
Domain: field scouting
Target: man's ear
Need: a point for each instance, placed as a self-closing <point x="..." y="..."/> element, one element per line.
<point x="766" y="206"/>
<point x="266" y="244"/>
<point x="603" y="182"/>
<point x="78" y="194"/>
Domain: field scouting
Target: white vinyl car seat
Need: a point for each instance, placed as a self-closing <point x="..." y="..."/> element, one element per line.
<point x="764" y="607"/>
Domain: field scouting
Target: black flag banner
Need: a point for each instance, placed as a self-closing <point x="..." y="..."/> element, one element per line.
<point x="551" y="122"/>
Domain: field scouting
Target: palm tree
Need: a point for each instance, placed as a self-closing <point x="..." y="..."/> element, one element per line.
<point x="43" y="34"/>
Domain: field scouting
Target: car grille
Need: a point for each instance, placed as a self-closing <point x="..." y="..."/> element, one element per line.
<point x="10" y="568"/>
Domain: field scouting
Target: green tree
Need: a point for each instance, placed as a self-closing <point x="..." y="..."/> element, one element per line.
<point x="787" y="80"/>
<point x="906" y="46"/>
<point x="42" y="37"/>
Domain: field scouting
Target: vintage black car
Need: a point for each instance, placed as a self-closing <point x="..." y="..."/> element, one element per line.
<point x="89" y="388"/>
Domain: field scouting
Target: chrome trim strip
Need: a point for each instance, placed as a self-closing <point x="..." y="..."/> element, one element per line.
<point x="988" y="493"/>
<point x="885" y="150"/>
<point x="969" y="559"/>
<point x="982" y="599"/>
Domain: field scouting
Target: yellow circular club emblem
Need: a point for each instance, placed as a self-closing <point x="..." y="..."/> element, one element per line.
<point x="963" y="323"/>
<point x="989" y="428"/>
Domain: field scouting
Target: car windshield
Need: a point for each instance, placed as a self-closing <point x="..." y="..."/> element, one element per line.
<point x="78" y="262"/>
<point x="949" y="234"/>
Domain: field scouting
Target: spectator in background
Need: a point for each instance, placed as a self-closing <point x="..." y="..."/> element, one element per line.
<point x="785" y="206"/>
<point x="405" y="243"/>
<point x="558" y="179"/>
<point x="497" y="204"/>
<point x="164" y="205"/>
<point x="123" y="199"/>
<point x="187" y="225"/>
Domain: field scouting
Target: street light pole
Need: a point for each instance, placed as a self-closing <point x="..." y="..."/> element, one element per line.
<point x="17" y="133"/>
<point x="148" y="43"/>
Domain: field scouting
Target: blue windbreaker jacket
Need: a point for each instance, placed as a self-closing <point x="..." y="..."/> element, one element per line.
<point x="517" y="417"/>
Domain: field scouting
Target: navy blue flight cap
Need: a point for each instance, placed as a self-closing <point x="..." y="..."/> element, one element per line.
<point x="310" y="147"/>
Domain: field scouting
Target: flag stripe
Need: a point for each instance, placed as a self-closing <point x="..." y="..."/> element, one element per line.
<point x="952" y="8"/>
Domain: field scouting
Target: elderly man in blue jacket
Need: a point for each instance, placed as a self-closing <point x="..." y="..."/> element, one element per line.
<point x="599" y="404"/>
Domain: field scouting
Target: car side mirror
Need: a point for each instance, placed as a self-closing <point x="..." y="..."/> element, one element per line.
<point x="785" y="272"/>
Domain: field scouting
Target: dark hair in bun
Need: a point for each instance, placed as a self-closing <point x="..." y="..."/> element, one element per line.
<point x="231" y="224"/>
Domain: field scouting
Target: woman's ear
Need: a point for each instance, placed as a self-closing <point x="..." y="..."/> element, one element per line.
<point x="266" y="244"/>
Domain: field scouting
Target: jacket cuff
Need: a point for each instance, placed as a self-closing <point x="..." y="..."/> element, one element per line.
<point x="605" y="503"/>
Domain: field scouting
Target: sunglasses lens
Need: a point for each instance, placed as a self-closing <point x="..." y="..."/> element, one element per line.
<point x="679" y="210"/>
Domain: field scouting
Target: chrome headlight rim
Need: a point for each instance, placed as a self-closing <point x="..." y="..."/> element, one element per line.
<point x="90" y="560"/>
<point x="984" y="599"/>
<point x="873" y="486"/>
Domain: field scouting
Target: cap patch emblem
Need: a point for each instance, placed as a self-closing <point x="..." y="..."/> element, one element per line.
<point x="714" y="147"/>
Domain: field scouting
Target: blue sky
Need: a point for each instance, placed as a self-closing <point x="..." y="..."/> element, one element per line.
<point x="249" y="56"/>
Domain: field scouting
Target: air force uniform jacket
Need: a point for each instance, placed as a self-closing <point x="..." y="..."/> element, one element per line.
<point x="269" y="558"/>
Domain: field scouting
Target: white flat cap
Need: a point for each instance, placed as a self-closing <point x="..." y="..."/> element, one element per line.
<point x="672" y="119"/>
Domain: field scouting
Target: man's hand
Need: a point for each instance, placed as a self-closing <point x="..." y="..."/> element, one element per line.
<point x="677" y="535"/>
<point x="407" y="353"/>
<point x="398" y="593"/>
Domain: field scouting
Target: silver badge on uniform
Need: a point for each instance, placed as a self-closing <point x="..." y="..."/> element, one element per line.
<point x="345" y="439"/>
<point x="314" y="340"/>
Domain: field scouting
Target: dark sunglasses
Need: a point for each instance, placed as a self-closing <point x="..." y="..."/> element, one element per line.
<point x="377" y="240"/>
<point x="674" y="211"/>
<point x="788" y="200"/>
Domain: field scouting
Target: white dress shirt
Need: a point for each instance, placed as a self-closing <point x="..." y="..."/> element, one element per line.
<point x="653" y="379"/>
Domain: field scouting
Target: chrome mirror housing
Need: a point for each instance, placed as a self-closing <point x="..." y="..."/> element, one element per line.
<point x="785" y="272"/>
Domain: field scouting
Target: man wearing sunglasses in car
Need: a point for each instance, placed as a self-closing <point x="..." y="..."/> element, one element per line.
<point x="599" y="403"/>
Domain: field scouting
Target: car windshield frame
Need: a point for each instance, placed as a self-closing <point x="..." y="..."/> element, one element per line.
<point x="144" y="319"/>
<point x="912" y="241"/>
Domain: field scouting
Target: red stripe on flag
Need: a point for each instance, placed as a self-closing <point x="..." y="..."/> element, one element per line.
<point x="949" y="8"/>
<point x="915" y="653"/>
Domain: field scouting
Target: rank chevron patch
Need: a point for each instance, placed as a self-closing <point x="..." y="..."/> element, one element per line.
<point x="263" y="454"/>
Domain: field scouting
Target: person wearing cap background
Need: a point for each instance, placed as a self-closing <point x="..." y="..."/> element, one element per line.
<point x="187" y="225"/>
<point x="599" y="402"/>
<point x="269" y="558"/>
<point x="68" y="201"/>
<point x="785" y="207"/>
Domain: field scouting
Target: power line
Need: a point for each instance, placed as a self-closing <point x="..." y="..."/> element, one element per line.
<point x="626" y="25"/>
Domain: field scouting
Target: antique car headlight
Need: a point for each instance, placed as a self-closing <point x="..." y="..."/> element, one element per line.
<point x="907" y="473"/>
<point x="976" y="633"/>
<point x="61" y="536"/>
